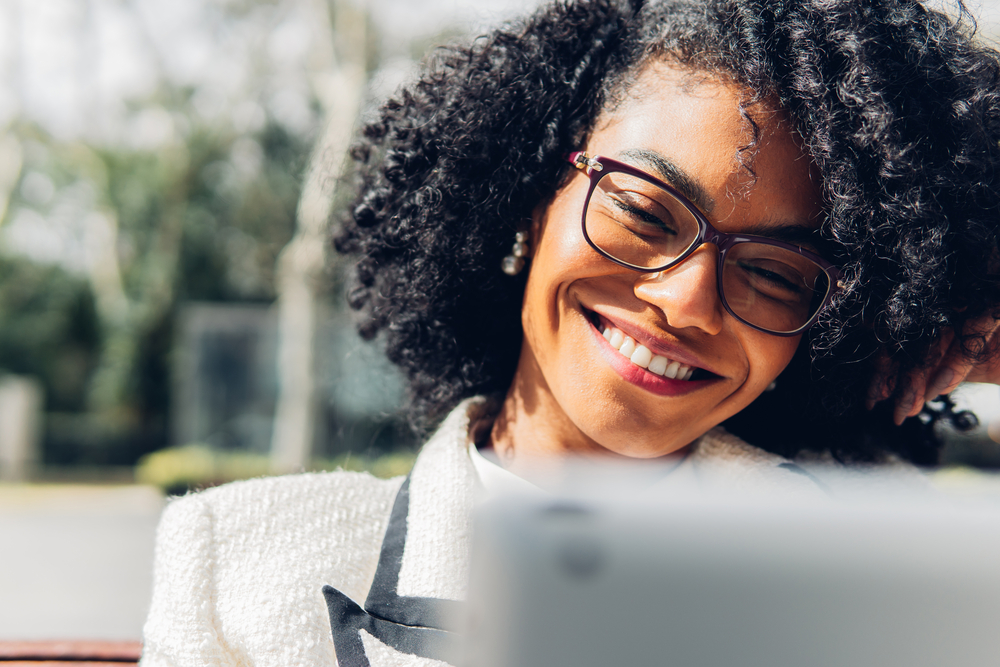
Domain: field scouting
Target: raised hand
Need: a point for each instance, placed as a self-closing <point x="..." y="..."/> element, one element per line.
<point x="952" y="363"/>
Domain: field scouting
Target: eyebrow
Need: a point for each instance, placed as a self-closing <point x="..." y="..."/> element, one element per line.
<point x="806" y="237"/>
<point x="672" y="174"/>
<point x="799" y="235"/>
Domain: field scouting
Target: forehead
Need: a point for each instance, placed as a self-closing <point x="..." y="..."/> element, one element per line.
<point x="697" y="122"/>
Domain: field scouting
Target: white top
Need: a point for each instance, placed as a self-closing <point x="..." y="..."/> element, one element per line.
<point x="497" y="480"/>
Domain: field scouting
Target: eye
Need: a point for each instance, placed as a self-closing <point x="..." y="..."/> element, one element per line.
<point x="771" y="276"/>
<point x="642" y="215"/>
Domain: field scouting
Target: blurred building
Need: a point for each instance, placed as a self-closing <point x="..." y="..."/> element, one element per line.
<point x="225" y="383"/>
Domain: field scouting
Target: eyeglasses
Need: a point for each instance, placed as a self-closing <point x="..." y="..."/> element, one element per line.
<point x="644" y="224"/>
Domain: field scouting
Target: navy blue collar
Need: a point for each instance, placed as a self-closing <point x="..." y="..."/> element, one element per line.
<point x="413" y="625"/>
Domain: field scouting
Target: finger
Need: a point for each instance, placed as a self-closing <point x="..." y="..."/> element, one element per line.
<point x="958" y="364"/>
<point x="919" y="391"/>
<point x="986" y="364"/>
<point x="883" y="382"/>
<point x="948" y="377"/>
<point x="875" y="391"/>
<point x="910" y="401"/>
<point x="949" y="369"/>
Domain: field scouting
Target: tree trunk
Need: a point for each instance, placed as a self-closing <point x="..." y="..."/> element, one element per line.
<point x="339" y="85"/>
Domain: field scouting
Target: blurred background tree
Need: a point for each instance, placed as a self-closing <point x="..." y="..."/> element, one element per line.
<point x="153" y="160"/>
<point x="110" y="227"/>
<point x="131" y="234"/>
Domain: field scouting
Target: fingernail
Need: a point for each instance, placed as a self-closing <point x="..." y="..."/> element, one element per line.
<point x="941" y="381"/>
<point x="903" y="406"/>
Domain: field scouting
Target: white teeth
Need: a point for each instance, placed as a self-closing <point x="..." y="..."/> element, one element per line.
<point x="658" y="365"/>
<point x="642" y="356"/>
<point x="617" y="338"/>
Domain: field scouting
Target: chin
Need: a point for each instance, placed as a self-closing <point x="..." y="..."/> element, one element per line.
<point x="621" y="441"/>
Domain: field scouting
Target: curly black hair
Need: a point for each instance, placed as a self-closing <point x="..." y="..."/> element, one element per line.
<point x="897" y="105"/>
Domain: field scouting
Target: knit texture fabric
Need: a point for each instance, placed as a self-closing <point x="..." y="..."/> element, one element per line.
<point x="240" y="568"/>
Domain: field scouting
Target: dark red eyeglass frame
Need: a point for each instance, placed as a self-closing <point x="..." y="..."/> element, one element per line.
<point x="598" y="166"/>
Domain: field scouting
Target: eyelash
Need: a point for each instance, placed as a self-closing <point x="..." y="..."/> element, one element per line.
<point x="646" y="216"/>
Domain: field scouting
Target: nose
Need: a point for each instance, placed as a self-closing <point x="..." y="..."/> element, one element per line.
<point x="687" y="294"/>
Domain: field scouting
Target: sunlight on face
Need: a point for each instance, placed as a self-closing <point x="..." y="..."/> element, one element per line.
<point x="583" y="393"/>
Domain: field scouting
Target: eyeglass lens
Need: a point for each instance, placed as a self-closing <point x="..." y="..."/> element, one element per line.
<point x="641" y="224"/>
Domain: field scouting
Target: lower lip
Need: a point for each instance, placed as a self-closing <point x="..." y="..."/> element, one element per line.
<point x="641" y="377"/>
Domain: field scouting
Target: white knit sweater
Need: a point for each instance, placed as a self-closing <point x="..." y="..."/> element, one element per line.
<point x="240" y="569"/>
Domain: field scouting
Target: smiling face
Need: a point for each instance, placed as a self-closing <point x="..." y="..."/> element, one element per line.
<point x="573" y="391"/>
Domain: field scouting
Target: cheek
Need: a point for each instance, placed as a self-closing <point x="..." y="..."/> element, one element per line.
<point x="769" y="355"/>
<point x="556" y="231"/>
<point x="553" y="268"/>
<point x="560" y="258"/>
<point x="559" y="254"/>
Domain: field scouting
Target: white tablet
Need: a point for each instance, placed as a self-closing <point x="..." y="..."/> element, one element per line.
<point x="737" y="582"/>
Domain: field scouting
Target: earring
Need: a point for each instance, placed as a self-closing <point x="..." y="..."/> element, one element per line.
<point x="772" y="386"/>
<point x="514" y="262"/>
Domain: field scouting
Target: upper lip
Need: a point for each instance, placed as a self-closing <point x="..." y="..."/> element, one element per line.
<point x="655" y="345"/>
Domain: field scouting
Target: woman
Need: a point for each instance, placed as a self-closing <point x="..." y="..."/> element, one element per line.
<point x="605" y="232"/>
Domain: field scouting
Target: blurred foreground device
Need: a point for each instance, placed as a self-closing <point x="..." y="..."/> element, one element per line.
<point x="734" y="583"/>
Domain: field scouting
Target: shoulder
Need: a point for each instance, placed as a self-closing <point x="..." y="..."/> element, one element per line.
<point x="336" y="517"/>
<point x="729" y="463"/>
<point x="290" y="501"/>
<point x="720" y="461"/>
<point x="721" y="446"/>
<point x="889" y="476"/>
<point x="239" y="569"/>
<point x="292" y="507"/>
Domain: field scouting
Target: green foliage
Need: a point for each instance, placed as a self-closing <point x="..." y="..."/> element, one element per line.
<point x="214" y="213"/>
<point x="200" y="218"/>
<point x="48" y="328"/>
<point x="197" y="466"/>
<point x="240" y="213"/>
<point x="180" y="469"/>
<point x="195" y="207"/>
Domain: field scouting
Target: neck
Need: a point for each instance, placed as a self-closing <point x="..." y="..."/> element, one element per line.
<point x="532" y="435"/>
